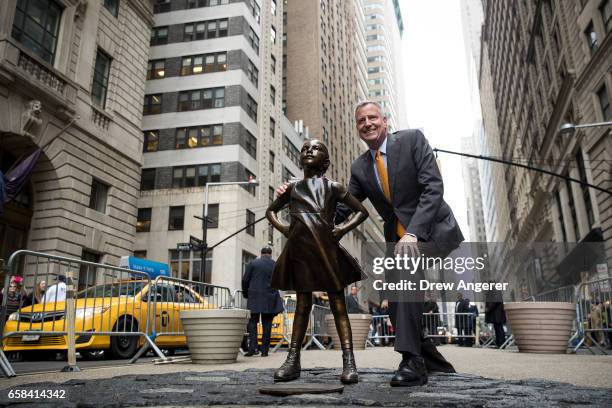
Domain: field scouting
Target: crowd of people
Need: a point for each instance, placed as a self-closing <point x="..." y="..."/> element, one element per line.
<point x="17" y="296"/>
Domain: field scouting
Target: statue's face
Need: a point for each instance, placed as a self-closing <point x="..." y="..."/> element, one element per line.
<point x="371" y="125"/>
<point x="313" y="154"/>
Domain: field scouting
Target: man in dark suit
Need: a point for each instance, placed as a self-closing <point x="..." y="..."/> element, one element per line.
<point x="495" y="314"/>
<point x="262" y="300"/>
<point x="400" y="177"/>
<point x="461" y="319"/>
<point x="352" y="302"/>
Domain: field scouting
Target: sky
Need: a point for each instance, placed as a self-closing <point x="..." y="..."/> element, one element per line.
<point x="437" y="87"/>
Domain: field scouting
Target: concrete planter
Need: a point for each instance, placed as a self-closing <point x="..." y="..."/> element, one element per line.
<point x="214" y="336"/>
<point x="541" y="327"/>
<point x="360" y="326"/>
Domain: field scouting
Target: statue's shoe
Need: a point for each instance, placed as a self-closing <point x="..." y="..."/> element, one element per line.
<point x="349" y="368"/>
<point x="290" y="370"/>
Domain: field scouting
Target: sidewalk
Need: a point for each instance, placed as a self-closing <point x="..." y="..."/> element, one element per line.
<point x="504" y="378"/>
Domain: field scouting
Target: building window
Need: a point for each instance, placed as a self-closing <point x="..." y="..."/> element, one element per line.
<point x="591" y="37"/>
<point x="147" y="179"/>
<point x="161" y="6"/>
<point x="270" y="194"/>
<point x="99" y="87"/>
<point x="201" y="99"/>
<point x="192" y="176"/>
<point x="272" y="95"/>
<point x="273" y="63"/>
<point x="97" y="198"/>
<point x="291" y="151"/>
<point x="36" y="27"/>
<point x="251" y="108"/>
<point x="572" y="207"/>
<point x="606" y="14"/>
<point x="176" y="220"/>
<point x="143" y="221"/>
<point x="213" y="215"/>
<point x="251" y="145"/>
<point x="151" y="141"/>
<point x="200" y="136"/>
<point x="273" y="35"/>
<point x="255" y="10"/>
<point x="159" y="36"/>
<point x="205" y="3"/>
<point x="271" y="161"/>
<point x="273" y="7"/>
<point x="585" y="190"/>
<point x="254" y="41"/>
<point x="152" y="104"/>
<point x="206" y="63"/>
<point x="156" y="69"/>
<point x="272" y="128"/>
<point x="251" y="188"/>
<point x="250" y="219"/>
<point x="287" y="174"/>
<point x="253" y="73"/>
<point x="205" y="30"/>
<point x="112" y="6"/>
<point x="246" y="258"/>
<point x="604" y="103"/>
<point x="87" y="273"/>
<point x="142" y="254"/>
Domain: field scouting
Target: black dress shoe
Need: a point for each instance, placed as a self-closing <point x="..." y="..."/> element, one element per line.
<point x="290" y="370"/>
<point x="251" y="353"/>
<point x="411" y="373"/>
<point x="349" y="368"/>
<point x="264" y="354"/>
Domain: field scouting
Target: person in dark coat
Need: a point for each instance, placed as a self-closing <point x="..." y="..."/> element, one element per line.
<point x="471" y="329"/>
<point x="495" y="315"/>
<point x="352" y="302"/>
<point x="432" y="321"/>
<point x="461" y="320"/>
<point x="262" y="300"/>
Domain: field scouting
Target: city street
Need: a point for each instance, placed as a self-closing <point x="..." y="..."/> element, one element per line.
<point x="485" y="376"/>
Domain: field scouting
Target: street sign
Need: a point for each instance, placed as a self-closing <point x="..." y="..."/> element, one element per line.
<point x="152" y="268"/>
<point x="183" y="246"/>
<point x="196" y="243"/>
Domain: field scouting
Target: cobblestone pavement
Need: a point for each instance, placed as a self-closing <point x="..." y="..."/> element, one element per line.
<point x="240" y="388"/>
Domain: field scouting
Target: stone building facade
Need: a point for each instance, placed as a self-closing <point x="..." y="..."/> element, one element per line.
<point x="71" y="83"/>
<point x="550" y="63"/>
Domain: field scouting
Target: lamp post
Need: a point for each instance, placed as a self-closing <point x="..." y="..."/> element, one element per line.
<point x="570" y="128"/>
<point x="204" y="218"/>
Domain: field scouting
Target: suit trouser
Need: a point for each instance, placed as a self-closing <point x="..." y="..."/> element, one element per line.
<point x="266" y="323"/>
<point x="500" y="335"/>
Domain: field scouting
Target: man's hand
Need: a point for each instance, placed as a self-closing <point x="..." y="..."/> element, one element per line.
<point x="338" y="233"/>
<point x="282" y="188"/>
<point x="407" y="246"/>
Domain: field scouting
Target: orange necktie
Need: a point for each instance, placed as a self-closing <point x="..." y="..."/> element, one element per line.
<point x="384" y="182"/>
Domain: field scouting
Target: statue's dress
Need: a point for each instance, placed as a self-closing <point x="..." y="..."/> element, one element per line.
<point x="312" y="259"/>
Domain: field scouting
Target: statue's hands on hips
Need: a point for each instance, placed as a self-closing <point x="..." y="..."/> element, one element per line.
<point x="282" y="188"/>
<point x="407" y="245"/>
<point x="338" y="233"/>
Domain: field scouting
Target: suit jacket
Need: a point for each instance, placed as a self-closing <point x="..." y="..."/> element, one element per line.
<point x="261" y="298"/>
<point x="352" y="306"/>
<point x="416" y="192"/>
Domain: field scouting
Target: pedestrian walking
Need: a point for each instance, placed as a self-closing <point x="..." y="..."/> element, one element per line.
<point x="352" y="301"/>
<point x="263" y="301"/>
<point x="57" y="292"/>
<point x="495" y="315"/>
<point x="431" y="318"/>
<point x="461" y="321"/>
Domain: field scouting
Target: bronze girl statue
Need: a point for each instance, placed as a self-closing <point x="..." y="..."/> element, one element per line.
<point x="312" y="259"/>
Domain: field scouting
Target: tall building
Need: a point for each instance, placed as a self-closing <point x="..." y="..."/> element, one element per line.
<point x="213" y="114"/>
<point x="71" y="84"/>
<point x="384" y="28"/>
<point x="473" y="196"/>
<point x="549" y="63"/>
<point x="323" y="81"/>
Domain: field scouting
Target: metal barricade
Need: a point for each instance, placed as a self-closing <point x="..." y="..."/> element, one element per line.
<point x="288" y="314"/>
<point x="562" y="294"/>
<point x="381" y="331"/>
<point x="464" y="327"/>
<point x="238" y="300"/>
<point x="317" y="327"/>
<point x="594" y="315"/>
<point x="167" y="298"/>
<point x="87" y="306"/>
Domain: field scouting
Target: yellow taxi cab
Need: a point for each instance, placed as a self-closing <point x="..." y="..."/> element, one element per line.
<point x="120" y="306"/>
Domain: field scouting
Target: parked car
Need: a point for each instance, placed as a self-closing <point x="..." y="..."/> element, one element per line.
<point x="118" y="307"/>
